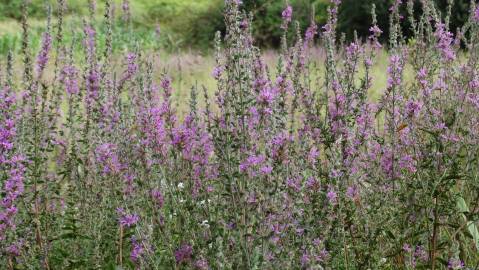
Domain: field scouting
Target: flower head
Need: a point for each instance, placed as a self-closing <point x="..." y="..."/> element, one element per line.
<point x="127" y="220"/>
<point x="311" y="32"/>
<point x="69" y="78"/>
<point x="183" y="253"/>
<point x="445" y="39"/>
<point x="455" y="264"/>
<point x="332" y="196"/>
<point x="287" y="14"/>
<point x="201" y="264"/>
<point x="43" y="56"/>
<point x="476" y="14"/>
<point x="157" y="197"/>
<point x="413" y="108"/>
<point x="137" y="250"/>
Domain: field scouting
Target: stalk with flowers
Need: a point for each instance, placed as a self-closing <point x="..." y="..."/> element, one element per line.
<point x="292" y="166"/>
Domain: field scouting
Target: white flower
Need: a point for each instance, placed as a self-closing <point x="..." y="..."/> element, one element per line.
<point x="181" y="185"/>
<point x="205" y="223"/>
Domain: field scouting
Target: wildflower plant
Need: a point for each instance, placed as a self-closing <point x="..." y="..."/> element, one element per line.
<point x="291" y="166"/>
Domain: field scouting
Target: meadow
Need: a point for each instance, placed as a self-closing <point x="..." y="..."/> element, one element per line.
<point x="120" y="149"/>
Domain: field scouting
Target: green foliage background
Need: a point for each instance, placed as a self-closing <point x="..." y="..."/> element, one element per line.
<point x="193" y="23"/>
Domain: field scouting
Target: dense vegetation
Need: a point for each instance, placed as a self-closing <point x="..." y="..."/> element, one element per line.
<point x="286" y="166"/>
<point x="205" y="17"/>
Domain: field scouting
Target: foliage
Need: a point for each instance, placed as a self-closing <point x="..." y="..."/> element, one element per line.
<point x="206" y="17"/>
<point x="287" y="167"/>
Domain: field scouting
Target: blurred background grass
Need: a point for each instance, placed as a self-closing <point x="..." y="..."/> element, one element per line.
<point x="191" y="24"/>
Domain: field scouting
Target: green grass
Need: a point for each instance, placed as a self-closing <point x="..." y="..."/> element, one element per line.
<point x="146" y="17"/>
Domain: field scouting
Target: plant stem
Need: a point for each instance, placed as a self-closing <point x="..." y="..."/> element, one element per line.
<point x="434" y="236"/>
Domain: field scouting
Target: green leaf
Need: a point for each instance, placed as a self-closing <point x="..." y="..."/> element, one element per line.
<point x="471" y="227"/>
<point x="113" y="266"/>
<point x="390" y="234"/>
